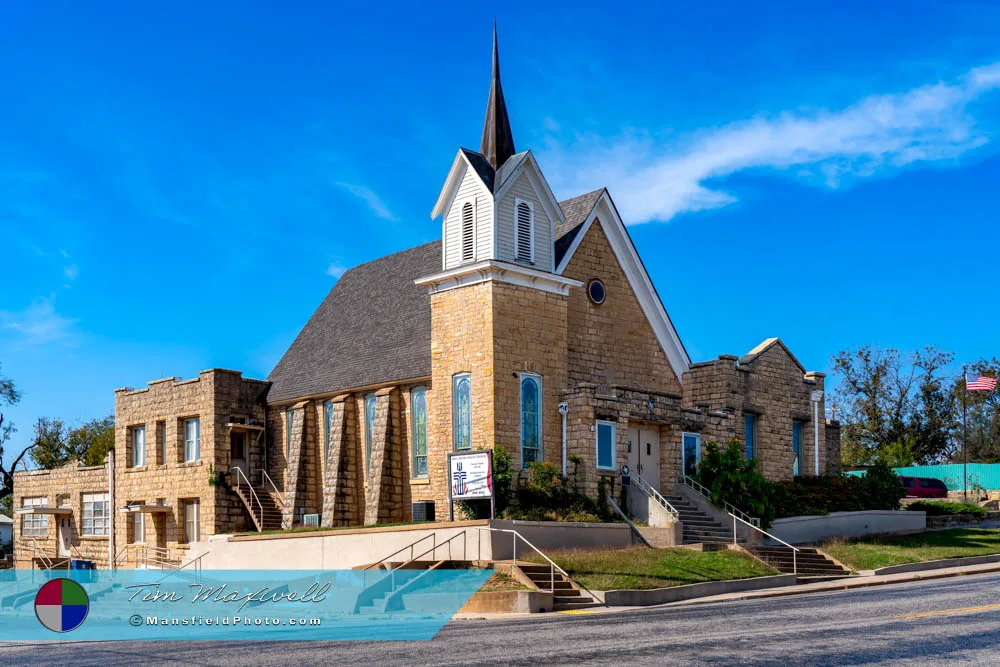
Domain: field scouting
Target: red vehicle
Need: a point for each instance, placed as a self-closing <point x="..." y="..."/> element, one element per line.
<point x="924" y="487"/>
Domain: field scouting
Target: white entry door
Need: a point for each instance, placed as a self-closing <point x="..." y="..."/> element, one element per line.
<point x="644" y="454"/>
<point x="65" y="535"/>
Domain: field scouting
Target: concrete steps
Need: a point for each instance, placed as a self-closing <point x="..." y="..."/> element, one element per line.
<point x="565" y="594"/>
<point x="699" y="527"/>
<point x="272" y="516"/>
<point x="810" y="562"/>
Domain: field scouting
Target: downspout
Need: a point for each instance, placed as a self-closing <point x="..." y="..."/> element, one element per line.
<point x="563" y="411"/>
<point x="111" y="506"/>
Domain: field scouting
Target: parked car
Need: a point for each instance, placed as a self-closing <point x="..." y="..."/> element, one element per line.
<point x="924" y="487"/>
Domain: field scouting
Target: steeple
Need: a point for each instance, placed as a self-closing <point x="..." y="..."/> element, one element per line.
<point x="498" y="141"/>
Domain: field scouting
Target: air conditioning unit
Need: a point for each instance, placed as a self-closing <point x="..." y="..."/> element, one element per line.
<point x="310" y="520"/>
<point x="423" y="510"/>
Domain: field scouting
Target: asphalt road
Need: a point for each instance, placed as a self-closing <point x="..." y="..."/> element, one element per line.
<point x="960" y="624"/>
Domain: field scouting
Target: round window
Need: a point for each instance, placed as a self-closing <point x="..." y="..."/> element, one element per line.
<point x="595" y="290"/>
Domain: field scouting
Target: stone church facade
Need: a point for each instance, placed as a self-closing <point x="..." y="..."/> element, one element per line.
<point x="530" y="325"/>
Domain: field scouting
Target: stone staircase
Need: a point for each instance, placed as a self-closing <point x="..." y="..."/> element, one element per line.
<point x="699" y="527"/>
<point x="565" y="594"/>
<point x="811" y="562"/>
<point x="268" y="509"/>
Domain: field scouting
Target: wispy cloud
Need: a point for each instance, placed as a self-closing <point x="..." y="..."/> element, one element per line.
<point x="655" y="181"/>
<point x="39" y="323"/>
<point x="71" y="272"/>
<point x="335" y="270"/>
<point x="372" y="200"/>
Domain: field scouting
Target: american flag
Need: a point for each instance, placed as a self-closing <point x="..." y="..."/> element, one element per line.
<point x="975" y="382"/>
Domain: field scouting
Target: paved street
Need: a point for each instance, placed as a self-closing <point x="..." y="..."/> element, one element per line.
<point x="956" y="619"/>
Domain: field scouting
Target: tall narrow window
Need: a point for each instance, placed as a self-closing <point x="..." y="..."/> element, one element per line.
<point x="461" y="404"/>
<point x="796" y="448"/>
<point x="750" y="426"/>
<point x="606" y="450"/>
<point x="138" y="446"/>
<point x="418" y="416"/>
<point x="531" y="424"/>
<point x="468" y="232"/>
<point x="192" y="522"/>
<point x="371" y="403"/>
<point x="138" y="528"/>
<point x="692" y="453"/>
<point x="161" y="441"/>
<point x="289" y="423"/>
<point x="327" y="428"/>
<point x="524" y="212"/>
<point x="192" y="439"/>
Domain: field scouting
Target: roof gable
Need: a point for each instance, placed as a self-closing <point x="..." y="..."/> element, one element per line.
<point x="766" y="345"/>
<point x="464" y="161"/>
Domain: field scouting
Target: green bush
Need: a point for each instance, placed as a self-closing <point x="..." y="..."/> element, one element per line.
<point x="945" y="508"/>
<point x="880" y="489"/>
<point x="543" y="493"/>
<point x="884" y="486"/>
<point x="729" y="477"/>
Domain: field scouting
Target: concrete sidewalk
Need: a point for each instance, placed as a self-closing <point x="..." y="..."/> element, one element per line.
<point x="845" y="584"/>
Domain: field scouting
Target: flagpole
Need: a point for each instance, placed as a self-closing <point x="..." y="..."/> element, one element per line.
<point x="965" y="438"/>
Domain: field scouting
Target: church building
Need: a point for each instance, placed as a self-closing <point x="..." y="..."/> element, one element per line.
<point x="530" y="325"/>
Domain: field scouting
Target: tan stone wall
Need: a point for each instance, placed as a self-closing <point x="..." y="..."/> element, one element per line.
<point x="612" y="343"/>
<point x="63" y="486"/>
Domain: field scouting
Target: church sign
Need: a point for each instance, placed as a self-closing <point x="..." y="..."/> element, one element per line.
<point x="470" y="477"/>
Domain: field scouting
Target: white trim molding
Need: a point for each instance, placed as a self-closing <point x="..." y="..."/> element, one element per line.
<point x="504" y="272"/>
<point x="606" y="215"/>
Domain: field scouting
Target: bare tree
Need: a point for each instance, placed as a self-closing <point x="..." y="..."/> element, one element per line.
<point x="8" y="396"/>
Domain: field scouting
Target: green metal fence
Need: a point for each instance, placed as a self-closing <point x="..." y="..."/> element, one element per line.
<point x="981" y="475"/>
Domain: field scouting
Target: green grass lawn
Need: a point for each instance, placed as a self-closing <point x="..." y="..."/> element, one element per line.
<point x="643" y="568"/>
<point x="501" y="582"/>
<point x="870" y="553"/>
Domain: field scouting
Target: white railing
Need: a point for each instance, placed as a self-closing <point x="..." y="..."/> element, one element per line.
<point x="553" y="567"/>
<point x="240" y="478"/>
<point x="752" y="521"/>
<point x="645" y="487"/>
<point x="795" y="550"/>
<point x="435" y="545"/>
<point x="266" y="481"/>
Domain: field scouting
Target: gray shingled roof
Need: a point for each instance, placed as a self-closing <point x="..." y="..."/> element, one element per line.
<point x="575" y="211"/>
<point x="374" y="326"/>
<point x="482" y="167"/>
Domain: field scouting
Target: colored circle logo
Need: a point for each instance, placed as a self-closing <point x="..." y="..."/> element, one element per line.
<point x="61" y="605"/>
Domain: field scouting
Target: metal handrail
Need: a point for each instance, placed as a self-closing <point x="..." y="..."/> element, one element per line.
<point x="752" y="521"/>
<point x="265" y="478"/>
<point x="552" y="564"/>
<point x="658" y="497"/>
<point x="795" y="550"/>
<point x="240" y="475"/>
<point x="396" y="553"/>
<point x="36" y="551"/>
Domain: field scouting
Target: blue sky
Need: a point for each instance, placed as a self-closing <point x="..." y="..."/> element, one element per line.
<point x="180" y="185"/>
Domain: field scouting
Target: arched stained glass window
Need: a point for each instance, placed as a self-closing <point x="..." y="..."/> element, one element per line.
<point x="370" y="402"/>
<point x="418" y="415"/>
<point x="462" y="407"/>
<point x="531" y="423"/>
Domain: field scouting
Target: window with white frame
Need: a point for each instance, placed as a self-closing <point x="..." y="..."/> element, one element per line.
<point x="35" y="525"/>
<point x="96" y="515"/>
<point x="531" y="418"/>
<point x="138" y="528"/>
<point x="138" y="446"/>
<point x="192" y="521"/>
<point x="461" y="405"/>
<point x="468" y="232"/>
<point x="524" y="218"/>
<point x="607" y="455"/>
<point x="192" y="439"/>
<point x="418" y="417"/>
<point x="327" y="428"/>
<point x="750" y="429"/>
<point x="371" y="405"/>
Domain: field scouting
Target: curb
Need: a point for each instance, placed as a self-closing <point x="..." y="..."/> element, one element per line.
<point x="937" y="564"/>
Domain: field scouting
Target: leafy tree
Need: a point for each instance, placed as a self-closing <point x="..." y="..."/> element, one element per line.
<point x="894" y="406"/>
<point x="9" y="395"/>
<point x="982" y="417"/>
<point x="56" y="445"/>
<point x="7" y="506"/>
<point x="731" y="478"/>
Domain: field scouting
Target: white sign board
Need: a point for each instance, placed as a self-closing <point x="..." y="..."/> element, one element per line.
<point x="471" y="475"/>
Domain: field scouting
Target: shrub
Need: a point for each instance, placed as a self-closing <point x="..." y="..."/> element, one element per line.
<point x="884" y="486"/>
<point x="944" y="508"/>
<point x="880" y="489"/>
<point x="503" y="477"/>
<point x="731" y="478"/>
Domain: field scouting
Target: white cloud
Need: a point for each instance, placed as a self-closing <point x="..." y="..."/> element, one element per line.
<point x="335" y="270"/>
<point x="376" y="205"/>
<point x="38" y="323"/>
<point x="651" y="180"/>
<point x="71" y="272"/>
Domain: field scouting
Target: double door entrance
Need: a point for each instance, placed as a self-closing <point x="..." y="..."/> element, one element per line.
<point x="644" y="454"/>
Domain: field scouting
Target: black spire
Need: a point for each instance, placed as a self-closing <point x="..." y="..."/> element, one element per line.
<point x="498" y="141"/>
